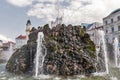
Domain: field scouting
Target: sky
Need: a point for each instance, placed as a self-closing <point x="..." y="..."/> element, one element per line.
<point x="15" y="13"/>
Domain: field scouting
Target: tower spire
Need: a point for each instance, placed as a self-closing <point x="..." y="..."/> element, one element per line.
<point x="28" y="22"/>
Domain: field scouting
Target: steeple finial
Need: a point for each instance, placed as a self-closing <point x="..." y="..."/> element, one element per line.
<point x="28" y="22"/>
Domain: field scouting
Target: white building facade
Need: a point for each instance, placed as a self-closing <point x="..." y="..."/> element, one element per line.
<point x="111" y="26"/>
<point x="92" y="30"/>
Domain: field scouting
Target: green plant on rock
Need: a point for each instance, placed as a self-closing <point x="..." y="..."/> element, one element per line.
<point x="91" y="48"/>
<point x="46" y="30"/>
<point x="84" y="28"/>
<point x="54" y="48"/>
<point x="82" y="32"/>
<point x="46" y="27"/>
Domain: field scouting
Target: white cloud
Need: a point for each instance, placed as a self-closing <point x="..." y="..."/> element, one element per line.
<point x="20" y="3"/>
<point x="43" y="11"/>
<point x="75" y="11"/>
<point x="4" y="38"/>
<point x="51" y="1"/>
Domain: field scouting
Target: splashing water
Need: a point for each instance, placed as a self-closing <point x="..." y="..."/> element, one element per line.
<point x="39" y="59"/>
<point x="113" y="78"/>
<point x="116" y="51"/>
<point x="10" y="51"/>
<point x="102" y="34"/>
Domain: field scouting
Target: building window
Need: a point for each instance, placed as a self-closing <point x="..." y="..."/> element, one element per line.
<point x="118" y="28"/>
<point x="93" y="34"/>
<point x="118" y="18"/>
<point x="111" y="20"/>
<point x="106" y="22"/>
<point x="119" y="39"/>
<point x="106" y="31"/>
<point x="112" y="29"/>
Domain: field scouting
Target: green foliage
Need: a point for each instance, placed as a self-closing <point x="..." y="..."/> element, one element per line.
<point x="82" y="32"/>
<point x="92" y="46"/>
<point x="46" y="26"/>
<point x="84" y="28"/>
<point x="54" y="48"/>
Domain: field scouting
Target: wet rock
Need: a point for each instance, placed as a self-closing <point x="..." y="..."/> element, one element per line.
<point x="22" y="60"/>
<point x="69" y="52"/>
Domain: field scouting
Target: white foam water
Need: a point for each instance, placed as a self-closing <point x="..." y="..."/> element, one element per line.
<point x="116" y="51"/>
<point x="102" y="34"/>
<point x="113" y="78"/>
<point x="39" y="59"/>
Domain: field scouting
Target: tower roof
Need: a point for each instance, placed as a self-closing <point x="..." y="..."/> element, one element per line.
<point x="21" y="37"/>
<point x="115" y="11"/>
<point x="28" y="22"/>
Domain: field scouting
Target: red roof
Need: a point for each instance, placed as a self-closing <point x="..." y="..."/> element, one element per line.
<point x="21" y="37"/>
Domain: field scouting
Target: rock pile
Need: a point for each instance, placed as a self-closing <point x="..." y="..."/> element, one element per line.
<point x="69" y="52"/>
